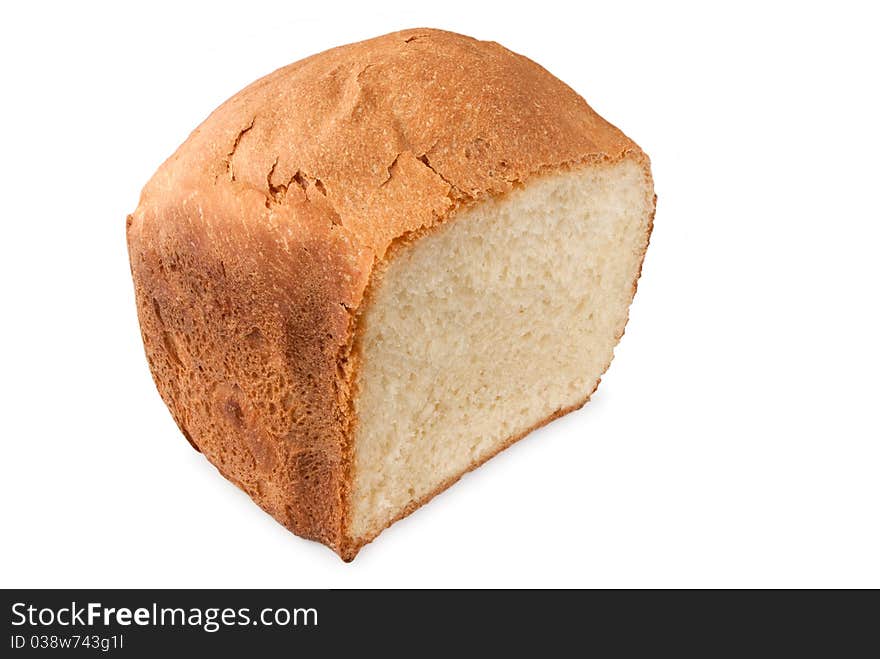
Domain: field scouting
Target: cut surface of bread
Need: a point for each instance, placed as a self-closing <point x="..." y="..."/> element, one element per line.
<point x="487" y="327"/>
<point x="372" y="269"/>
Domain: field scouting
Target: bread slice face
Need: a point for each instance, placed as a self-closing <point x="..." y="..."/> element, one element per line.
<point x="373" y="269"/>
<point x="487" y="328"/>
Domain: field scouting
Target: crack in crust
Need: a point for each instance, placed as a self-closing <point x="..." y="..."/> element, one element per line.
<point x="231" y="154"/>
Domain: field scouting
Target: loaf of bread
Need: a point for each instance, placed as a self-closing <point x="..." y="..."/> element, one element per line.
<point x="369" y="271"/>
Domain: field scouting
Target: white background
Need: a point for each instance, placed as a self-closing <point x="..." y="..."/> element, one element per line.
<point x="734" y="441"/>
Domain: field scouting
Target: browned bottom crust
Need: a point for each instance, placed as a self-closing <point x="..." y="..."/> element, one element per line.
<point x="350" y="550"/>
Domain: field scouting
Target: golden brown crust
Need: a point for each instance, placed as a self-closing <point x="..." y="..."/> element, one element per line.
<point x="253" y="245"/>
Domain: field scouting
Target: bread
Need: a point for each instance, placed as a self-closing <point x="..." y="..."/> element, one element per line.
<point x="371" y="270"/>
